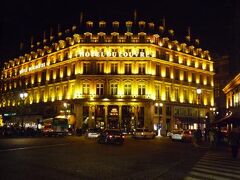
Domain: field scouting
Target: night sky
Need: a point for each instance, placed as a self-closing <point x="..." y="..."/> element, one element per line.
<point x="212" y="21"/>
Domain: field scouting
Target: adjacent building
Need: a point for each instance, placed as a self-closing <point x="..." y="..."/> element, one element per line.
<point x="232" y="92"/>
<point x="113" y="75"/>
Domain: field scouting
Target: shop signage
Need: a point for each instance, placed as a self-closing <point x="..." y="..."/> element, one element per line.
<point x="24" y="70"/>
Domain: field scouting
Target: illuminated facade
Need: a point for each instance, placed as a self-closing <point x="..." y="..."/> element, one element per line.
<point x="123" y="79"/>
<point x="232" y="92"/>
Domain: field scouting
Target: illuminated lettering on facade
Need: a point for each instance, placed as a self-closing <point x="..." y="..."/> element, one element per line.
<point x="94" y="54"/>
<point x="24" y="70"/>
<point x="113" y="54"/>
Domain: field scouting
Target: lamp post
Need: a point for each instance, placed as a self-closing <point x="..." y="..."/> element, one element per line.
<point x="23" y="96"/>
<point x="65" y="105"/>
<point x="199" y="92"/>
<point x="159" y="105"/>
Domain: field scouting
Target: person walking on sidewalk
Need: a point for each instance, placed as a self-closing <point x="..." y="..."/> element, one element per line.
<point x="212" y="138"/>
<point x="234" y="141"/>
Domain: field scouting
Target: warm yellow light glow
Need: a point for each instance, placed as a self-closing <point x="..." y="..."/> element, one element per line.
<point x="204" y="66"/>
<point x="180" y="59"/>
<point x="170" y="57"/>
<point x="196" y="64"/>
<point x="163" y="71"/>
<point x="211" y="67"/>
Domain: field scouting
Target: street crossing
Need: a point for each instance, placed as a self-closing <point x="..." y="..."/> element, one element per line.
<point x="215" y="165"/>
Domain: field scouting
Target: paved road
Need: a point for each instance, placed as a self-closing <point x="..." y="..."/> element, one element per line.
<point x="216" y="165"/>
<point x="81" y="158"/>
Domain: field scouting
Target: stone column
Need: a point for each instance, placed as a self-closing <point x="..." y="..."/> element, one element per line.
<point x="120" y="116"/>
<point x="78" y="110"/>
<point x="106" y="114"/>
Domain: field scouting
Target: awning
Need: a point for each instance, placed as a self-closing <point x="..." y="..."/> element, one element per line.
<point x="189" y="119"/>
<point x="230" y="117"/>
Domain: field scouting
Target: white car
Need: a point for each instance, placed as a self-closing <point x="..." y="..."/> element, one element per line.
<point x="144" y="133"/>
<point x="182" y="135"/>
<point x="177" y="135"/>
<point x="92" y="133"/>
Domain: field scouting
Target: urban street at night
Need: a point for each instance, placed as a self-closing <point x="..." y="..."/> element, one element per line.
<point x="120" y="90"/>
<point x="81" y="158"/>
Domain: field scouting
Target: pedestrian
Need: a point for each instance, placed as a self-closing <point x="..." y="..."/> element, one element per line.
<point x="234" y="142"/>
<point x="199" y="135"/>
<point x="211" y="138"/>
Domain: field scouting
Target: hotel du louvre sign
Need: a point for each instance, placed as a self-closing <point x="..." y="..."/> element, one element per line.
<point x="113" y="54"/>
<point x="94" y="54"/>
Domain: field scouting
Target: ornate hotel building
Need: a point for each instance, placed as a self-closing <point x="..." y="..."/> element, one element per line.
<point x="113" y="74"/>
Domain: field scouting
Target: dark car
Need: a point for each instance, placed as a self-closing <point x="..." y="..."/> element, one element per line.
<point x="113" y="136"/>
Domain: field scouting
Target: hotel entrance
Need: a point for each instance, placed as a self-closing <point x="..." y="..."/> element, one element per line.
<point x="127" y="118"/>
<point x="113" y="117"/>
<point x="99" y="116"/>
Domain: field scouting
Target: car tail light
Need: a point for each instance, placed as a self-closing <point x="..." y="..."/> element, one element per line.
<point x="110" y="136"/>
<point x="123" y="136"/>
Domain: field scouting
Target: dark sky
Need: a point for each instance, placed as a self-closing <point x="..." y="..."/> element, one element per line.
<point x="211" y="21"/>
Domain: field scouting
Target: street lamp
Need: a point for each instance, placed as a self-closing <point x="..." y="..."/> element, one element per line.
<point x="65" y="105"/>
<point x="159" y="105"/>
<point x="23" y="96"/>
<point x="199" y="92"/>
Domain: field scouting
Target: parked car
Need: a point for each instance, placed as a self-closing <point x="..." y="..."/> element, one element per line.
<point x="182" y="135"/>
<point x="93" y="133"/>
<point x="169" y="134"/>
<point x="143" y="133"/>
<point x="188" y="135"/>
<point x="113" y="136"/>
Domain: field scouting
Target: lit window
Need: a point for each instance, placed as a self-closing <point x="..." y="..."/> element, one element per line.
<point x="128" y="68"/>
<point x="86" y="68"/>
<point x="114" y="68"/>
<point x="100" y="68"/>
<point x="141" y="89"/>
<point x="167" y="91"/>
<point x="127" y="89"/>
<point x="99" y="90"/>
<point x="157" y="92"/>
<point x="142" y="69"/>
<point x="86" y="88"/>
<point x="114" y="89"/>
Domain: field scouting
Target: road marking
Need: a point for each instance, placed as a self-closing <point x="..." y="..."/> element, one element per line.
<point x="215" y="166"/>
<point x="32" y="147"/>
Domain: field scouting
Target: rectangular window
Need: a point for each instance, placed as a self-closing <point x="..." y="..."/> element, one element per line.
<point x="64" y="91"/>
<point x="100" y="68"/>
<point x="99" y="89"/>
<point x="185" y="95"/>
<point x="127" y="89"/>
<point x="167" y="72"/>
<point x="86" y="68"/>
<point x="177" y="94"/>
<point x="86" y="88"/>
<point x="157" y="70"/>
<point x="57" y="92"/>
<point x="128" y="68"/>
<point x="114" y="89"/>
<point x="142" y="69"/>
<point x="114" y="68"/>
<point x="65" y="71"/>
<point x="193" y="77"/>
<point x="177" y="74"/>
<point x="141" y="89"/>
<point x="157" y="91"/>
<point x="167" y="91"/>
